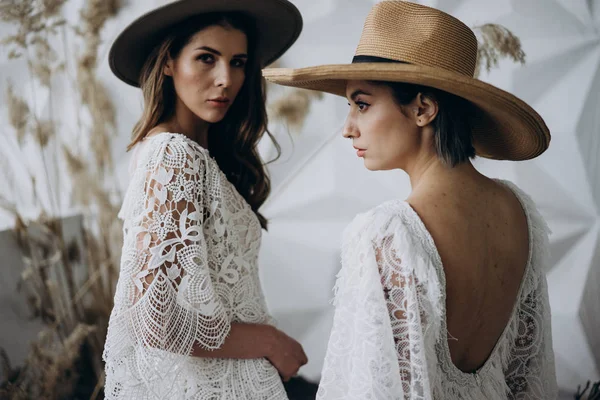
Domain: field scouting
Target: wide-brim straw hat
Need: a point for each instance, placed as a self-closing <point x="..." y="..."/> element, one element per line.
<point x="278" y="24"/>
<point x="408" y="42"/>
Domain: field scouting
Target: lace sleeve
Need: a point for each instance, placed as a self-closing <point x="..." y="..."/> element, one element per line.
<point x="529" y="358"/>
<point x="530" y="370"/>
<point x="173" y="301"/>
<point x="412" y="318"/>
<point x="387" y="318"/>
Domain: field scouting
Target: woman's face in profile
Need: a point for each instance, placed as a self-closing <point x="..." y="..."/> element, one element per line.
<point x="383" y="133"/>
<point x="209" y="71"/>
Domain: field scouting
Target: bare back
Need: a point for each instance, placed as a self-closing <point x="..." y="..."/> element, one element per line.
<point x="481" y="233"/>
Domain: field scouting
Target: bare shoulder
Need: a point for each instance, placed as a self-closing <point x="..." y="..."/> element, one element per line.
<point x="452" y="204"/>
<point x="158" y="129"/>
<point x="473" y="224"/>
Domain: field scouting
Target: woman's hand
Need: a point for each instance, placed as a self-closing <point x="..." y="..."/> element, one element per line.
<point x="247" y="341"/>
<point x="285" y="353"/>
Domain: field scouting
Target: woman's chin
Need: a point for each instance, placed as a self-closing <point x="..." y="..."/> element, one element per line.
<point x="213" y="116"/>
<point x="371" y="165"/>
<point x="377" y="165"/>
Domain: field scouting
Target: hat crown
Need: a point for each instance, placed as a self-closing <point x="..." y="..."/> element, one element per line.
<point x="419" y="35"/>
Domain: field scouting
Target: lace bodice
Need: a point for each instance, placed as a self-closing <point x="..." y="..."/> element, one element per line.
<point x="188" y="270"/>
<point x="389" y="338"/>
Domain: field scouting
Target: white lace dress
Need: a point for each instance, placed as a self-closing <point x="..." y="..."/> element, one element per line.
<point x="188" y="270"/>
<point x="389" y="336"/>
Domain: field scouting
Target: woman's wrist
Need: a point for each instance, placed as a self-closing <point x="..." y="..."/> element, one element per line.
<point x="267" y="337"/>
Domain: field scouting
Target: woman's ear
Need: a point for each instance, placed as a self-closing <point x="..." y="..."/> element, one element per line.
<point x="168" y="69"/>
<point x="426" y="109"/>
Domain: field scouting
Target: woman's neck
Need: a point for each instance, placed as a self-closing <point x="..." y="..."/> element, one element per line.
<point x="186" y="122"/>
<point x="432" y="171"/>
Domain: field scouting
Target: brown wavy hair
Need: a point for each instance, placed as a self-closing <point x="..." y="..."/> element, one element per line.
<point x="232" y="141"/>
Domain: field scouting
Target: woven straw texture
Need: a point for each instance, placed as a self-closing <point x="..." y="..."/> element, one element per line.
<point x="439" y="51"/>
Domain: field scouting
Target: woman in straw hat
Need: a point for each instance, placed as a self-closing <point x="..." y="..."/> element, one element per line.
<point x="441" y="296"/>
<point x="190" y="319"/>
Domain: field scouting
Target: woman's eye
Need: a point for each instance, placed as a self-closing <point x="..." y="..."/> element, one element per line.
<point x="206" y="58"/>
<point x="361" y="105"/>
<point x="239" y="63"/>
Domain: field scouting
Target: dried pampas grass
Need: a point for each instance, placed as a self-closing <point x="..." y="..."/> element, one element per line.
<point x="293" y="107"/>
<point x="61" y="376"/>
<point x="52" y="364"/>
<point x="45" y="58"/>
<point x="69" y="285"/>
<point x="18" y="113"/>
<point x="496" y="42"/>
<point x="93" y="93"/>
<point x="44" y="131"/>
<point x="52" y="7"/>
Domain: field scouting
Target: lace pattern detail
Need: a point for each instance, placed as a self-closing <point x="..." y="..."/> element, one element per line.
<point x="189" y="269"/>
<point x="389" y="337"/>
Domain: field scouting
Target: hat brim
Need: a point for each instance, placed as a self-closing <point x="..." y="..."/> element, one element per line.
<point x="278" y="23"/>
<point x="506" y="128"/>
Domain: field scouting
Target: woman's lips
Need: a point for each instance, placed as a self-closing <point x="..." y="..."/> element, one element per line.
<point x="219" y="102"/>
<point x="360" y="152"/>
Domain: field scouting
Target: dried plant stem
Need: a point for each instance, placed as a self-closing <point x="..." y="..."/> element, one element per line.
<point x="98" y="387"/>
<point x="87" y="286"/>
<point x="41" y="276"/>
<point x="52" y="194"/>
<point x="71" y="80"/>
<point x="31" y="80"/>
<point x="64" y="321"/>
<point x="55" y="150"/>
<point x="36" y="200"/>
<point x="94" y="262"/>
<point x="74" y="308"/>
<point x="67" y="269"/>
<point x="53" y="208"/>
<point x="104" y="279"/>
<point x="108" y="285"/>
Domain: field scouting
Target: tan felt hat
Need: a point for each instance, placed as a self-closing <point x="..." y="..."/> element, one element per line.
<point x="278" y="22"/>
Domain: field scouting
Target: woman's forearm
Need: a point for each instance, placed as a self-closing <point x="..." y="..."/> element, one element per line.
<point x="245" y="341"/>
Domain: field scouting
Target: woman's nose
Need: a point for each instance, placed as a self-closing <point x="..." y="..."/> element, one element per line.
<point x="350" y="130"/>
<point x="223" y="78"/>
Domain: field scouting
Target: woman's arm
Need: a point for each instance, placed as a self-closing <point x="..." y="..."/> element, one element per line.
<point x="247" y="341"/>
<point x="176" y="307"/>
<point x="244" y="341"/>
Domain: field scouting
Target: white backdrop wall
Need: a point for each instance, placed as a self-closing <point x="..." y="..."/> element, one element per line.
<point x="319" y="184"/>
